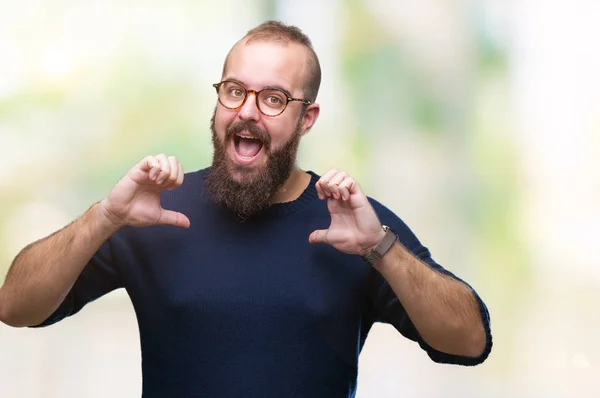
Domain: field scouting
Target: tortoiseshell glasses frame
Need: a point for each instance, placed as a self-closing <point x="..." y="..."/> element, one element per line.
<point x="270" y="101"/>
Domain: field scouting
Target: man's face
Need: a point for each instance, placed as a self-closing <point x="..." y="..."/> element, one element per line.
<point x="246" y="172"/>
<point x="258" y="65"/>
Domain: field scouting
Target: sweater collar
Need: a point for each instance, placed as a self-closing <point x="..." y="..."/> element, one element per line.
<point x="306" y="197"/>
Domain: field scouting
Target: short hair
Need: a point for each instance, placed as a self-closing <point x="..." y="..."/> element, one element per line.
<point x="276" y="31"/>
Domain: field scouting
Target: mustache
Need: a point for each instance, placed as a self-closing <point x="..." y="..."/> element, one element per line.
<point x="254" y="130"/>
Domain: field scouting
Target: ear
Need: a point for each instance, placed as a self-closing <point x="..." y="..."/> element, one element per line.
<point x="310" y="117"/>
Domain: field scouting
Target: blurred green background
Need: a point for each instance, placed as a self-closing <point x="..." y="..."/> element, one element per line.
<point x="475" y="121"/>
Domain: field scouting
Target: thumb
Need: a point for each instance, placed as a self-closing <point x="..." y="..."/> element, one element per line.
<point x="173" y="218"/>
<point x="318" y="236"/>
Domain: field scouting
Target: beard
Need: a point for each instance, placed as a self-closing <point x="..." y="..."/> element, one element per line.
<point x="253" y="193"/>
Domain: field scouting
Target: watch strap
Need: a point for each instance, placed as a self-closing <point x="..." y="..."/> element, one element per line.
<point x="383" y="247"/>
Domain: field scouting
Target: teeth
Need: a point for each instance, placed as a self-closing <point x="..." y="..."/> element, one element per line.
<point x="249" y="137"/>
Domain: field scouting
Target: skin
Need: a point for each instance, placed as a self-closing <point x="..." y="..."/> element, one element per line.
<point x="43" y="272"/>
<point x="260" y="64"/>
<point x="443" y="310"/>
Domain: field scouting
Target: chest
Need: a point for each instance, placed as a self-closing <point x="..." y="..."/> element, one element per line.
<point x="253" y="275"/>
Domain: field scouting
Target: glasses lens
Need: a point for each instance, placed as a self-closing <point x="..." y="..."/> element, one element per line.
<point x="272" y="102"/>
<point x="231" y="94"/>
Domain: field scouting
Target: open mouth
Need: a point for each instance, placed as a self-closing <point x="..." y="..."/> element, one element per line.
<point x="246" y="146"/>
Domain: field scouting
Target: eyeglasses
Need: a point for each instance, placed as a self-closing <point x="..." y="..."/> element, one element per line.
<point x="269" y="101"/>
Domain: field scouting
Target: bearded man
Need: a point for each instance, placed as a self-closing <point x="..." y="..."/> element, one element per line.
<point x="253" y="277"/>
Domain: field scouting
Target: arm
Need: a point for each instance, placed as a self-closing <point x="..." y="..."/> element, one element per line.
<point x="444" y="311"/>
<point x="42" y="275"/>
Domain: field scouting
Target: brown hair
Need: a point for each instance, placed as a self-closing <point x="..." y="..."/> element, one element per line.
<point x="276" y="31"/>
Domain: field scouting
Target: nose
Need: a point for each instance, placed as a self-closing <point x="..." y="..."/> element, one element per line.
<point x="249" y="111"/>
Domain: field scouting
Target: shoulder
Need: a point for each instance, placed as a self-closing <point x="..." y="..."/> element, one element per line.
<point x="383" y="212"/>
<point x="387" y="217"/>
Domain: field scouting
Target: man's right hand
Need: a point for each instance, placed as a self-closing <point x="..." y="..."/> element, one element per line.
<point x="43" y="273"/>
<point x="135" y="199"/>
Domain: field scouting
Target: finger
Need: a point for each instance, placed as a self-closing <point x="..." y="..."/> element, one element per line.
<point x="335" y="181"/>
<point x="329" y="175"/>
<point x="174" y="166"/>
<point x="341" y="193"/>
<point x="180" y="175"/>
<point x="179" y="181"/>
<point x="338" y="178"/>
<point x="347" y="187"/>
<point x="165" y="168"/>
<point x="168" y="217"/>
<point x="155" y="168"/>
<point x="324" y="181"/>
<point x="334" y="191"/>
<point x="320" y="191"/>
<point x="318" y="236"/>
<point x="351" y="185"/>
<point x="155" y="171"/>
<point x="146" y="166"/>
<point x="146" y="163"/>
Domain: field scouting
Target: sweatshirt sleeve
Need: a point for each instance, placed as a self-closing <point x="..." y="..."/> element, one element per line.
<point x="388" y="309"/>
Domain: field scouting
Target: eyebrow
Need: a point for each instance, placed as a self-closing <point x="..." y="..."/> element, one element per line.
<point x="278" y="88"/>
<point x="271" y="87"/>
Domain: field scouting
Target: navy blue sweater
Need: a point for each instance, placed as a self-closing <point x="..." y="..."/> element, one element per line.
<point x="249" y="309"/>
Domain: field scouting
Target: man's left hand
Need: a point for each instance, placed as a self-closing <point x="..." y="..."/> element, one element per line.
<point x="355" y="228"/>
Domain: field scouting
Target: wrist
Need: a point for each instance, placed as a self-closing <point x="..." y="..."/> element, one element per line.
<point x="374" y="241"/>
<point x="386" y="240"/>
<point x="106" y="219"/>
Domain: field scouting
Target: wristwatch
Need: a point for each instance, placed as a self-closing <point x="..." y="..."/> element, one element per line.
<point x="386" y="243"/>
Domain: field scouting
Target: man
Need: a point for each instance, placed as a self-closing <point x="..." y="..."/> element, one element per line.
<point x="251" y="278"/>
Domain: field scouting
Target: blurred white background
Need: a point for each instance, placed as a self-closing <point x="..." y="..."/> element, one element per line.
<point x="477" y="122"/>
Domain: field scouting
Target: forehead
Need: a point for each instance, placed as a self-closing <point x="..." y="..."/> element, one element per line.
<point x="261" y="63"/>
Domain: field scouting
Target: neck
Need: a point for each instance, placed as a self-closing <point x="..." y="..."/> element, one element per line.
<point x="293" y="187"/>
